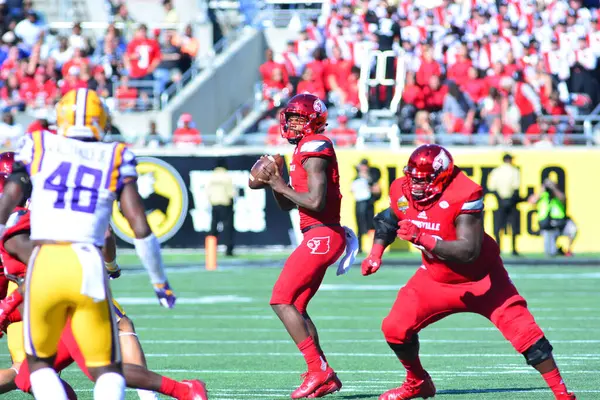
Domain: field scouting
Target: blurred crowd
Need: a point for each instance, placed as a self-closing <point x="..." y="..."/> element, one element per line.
<point x="493" y="67"/>
<point x="39" y="64"/>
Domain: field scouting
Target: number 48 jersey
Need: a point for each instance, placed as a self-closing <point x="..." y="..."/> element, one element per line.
<point x="75" y="184"/>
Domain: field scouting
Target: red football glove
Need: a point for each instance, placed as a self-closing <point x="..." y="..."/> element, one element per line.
<point x="371" y="264"/>
<point x="412" y="233"/>
<point x="7" y="306"/>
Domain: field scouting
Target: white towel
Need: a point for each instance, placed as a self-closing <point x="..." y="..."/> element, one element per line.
<point x="351" y="252"/>
<point x="93" y="283"/>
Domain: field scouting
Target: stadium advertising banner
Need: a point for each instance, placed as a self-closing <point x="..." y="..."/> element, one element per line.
<point x="571" y="168"/>
<point x="174" y="192"/>
<point x="179" y="213"/>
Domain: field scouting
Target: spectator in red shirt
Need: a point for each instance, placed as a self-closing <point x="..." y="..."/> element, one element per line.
<point x="275" y="90"/>
<point x="78" y="61"/>
<point x="318" y="66"/>
<point x="186" y="132"/>
<point x="343" y="135"/>
<point x="457" y="72"/>
<point x="126" y="95"/>
<point x="143" y="55"/>
<point x="474" y="86"/>
<point x="10" y="95"/>
<point x="424" y="131"/>
<point x="336" y="73"/>
<point x="11" y="64"/>
<point x="510" y="65"/>
<point x="308" y="84"/>
<point x="428" y="68"/>
<point x="72" y="81"/>
<point x="266" y="69"/>
<point x="412" y="101"/>
<point x="350" y="88"/>
<point x="434" y="94"/>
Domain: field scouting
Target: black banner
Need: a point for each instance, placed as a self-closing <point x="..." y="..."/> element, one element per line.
<point x="179" y="212"/>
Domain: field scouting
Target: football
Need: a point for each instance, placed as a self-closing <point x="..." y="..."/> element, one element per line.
<point x="262" y="168"/>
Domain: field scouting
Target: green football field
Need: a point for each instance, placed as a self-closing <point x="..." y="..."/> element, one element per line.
<point x="224" y="332"/>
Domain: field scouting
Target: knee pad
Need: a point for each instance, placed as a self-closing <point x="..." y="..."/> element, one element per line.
<point x="539" y="352"/>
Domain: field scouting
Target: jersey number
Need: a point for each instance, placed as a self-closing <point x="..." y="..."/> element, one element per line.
<point x="57" y="181"/>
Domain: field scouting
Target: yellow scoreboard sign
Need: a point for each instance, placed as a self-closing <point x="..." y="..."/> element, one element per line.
<point x="574" y="169"/>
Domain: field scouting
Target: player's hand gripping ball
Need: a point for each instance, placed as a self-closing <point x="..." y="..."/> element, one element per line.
<point x="262" y="169"/>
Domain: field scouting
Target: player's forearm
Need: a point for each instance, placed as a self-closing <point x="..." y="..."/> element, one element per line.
<point x="461" y="250"/>
<point x="310" y="201"/>
<point x="109" y="251"/>
<point x="283" y="202"/>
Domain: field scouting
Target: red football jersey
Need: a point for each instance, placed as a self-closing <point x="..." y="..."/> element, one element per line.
<point x="317" y="146"/>
<point x="462" y="196"/>
<point x="142" y="52"/>
<point x="18" y="222"/>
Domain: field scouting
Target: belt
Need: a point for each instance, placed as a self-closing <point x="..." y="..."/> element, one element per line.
<point x="308" y="228"/>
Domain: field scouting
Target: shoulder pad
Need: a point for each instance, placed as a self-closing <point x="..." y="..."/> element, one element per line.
<point x="316" y="146"/>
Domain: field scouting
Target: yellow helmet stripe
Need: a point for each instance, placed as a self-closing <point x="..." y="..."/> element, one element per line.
<point x="79" y="116"/>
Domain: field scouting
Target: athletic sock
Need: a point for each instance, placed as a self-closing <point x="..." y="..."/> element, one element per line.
<point x="46" y="385"/>
<point x="312" y="356"/>
<point x="555" y="382"/>
<point x="110" y="386"/>
<point x="172" y="388"/>
<point x="414" y="369"/>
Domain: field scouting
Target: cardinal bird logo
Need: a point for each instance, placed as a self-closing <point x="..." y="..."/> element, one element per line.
<point x="319" y="245"/>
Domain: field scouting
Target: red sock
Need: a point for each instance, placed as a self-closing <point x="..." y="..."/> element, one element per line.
<point x="172" y="388"/>
<point x="555" y="382"/>
<point x="414" y="369"/>
<point x="312" y="356"/>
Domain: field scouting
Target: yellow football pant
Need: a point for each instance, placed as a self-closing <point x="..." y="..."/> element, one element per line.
<point x="53" y="294"/>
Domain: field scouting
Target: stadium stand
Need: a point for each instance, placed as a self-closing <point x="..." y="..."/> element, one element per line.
<point x="505" y="72"/>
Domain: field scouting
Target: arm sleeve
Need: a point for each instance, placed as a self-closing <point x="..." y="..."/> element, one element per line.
<point x="386" y="225"/>
<point x="127" y="169"/>
<point x="474" y="203"/>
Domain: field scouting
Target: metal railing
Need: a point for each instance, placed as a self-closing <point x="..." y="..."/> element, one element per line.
<point x="198" y="66"/>
<point x="147" y="98"/>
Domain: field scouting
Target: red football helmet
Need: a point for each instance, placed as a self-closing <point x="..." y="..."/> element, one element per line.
<point x="304" y="105"/>
<point x="7" y="159"/>
<point x="429" y="170"/>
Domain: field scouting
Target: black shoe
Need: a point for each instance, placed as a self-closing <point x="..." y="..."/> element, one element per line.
<point x="516" y="253"/>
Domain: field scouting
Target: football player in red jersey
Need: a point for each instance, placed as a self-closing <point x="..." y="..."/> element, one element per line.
<point x="313" y="188"/>
<point x="436" y="207"/>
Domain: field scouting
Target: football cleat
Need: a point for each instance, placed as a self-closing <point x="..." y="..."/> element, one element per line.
<point x="331" y="386"/>
<point x="197" y="390"/>
<point x="411" y="389"/>
<point x="566" y="396"/>
<point x="312" y="380"/>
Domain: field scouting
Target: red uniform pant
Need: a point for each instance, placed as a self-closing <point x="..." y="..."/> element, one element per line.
<point x="305" y="269"/>
<point x="423" y="301"/>
<point x="67" y="353"/>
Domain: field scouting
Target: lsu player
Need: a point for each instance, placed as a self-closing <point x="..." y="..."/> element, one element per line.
<point x="15" y="250"/>
<point x="73" y="180"/>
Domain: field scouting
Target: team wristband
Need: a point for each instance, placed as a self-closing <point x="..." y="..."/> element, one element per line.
<point x="377" y="250"/>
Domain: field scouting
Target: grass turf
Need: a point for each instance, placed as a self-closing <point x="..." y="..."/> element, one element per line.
<point x="223" y="331"/>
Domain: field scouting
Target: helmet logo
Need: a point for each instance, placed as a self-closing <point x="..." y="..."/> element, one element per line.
<point x="318" y="106"/>
<point x="441" y="162"/>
